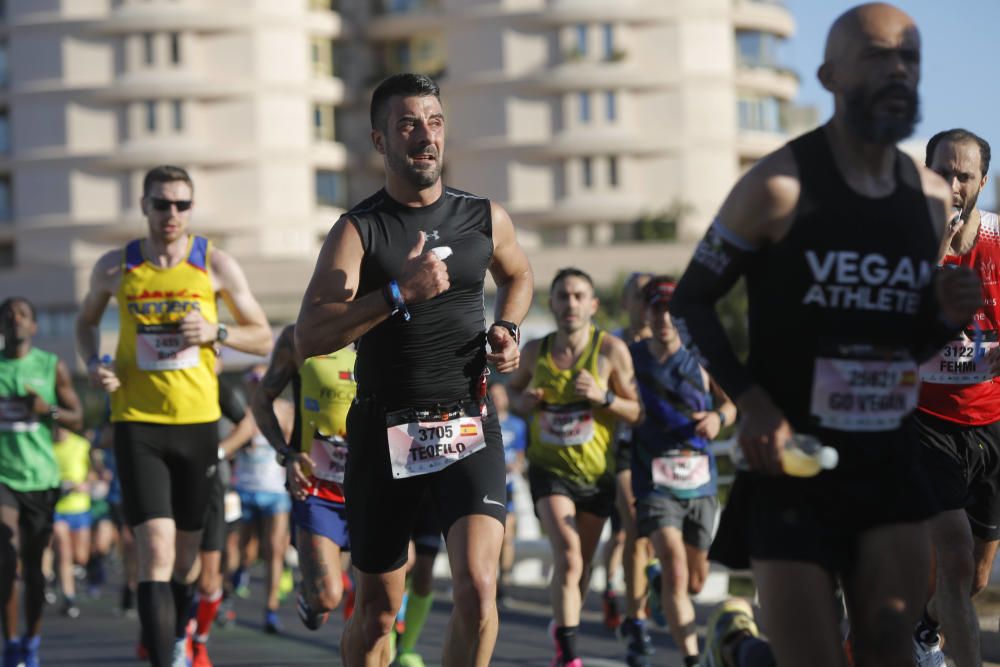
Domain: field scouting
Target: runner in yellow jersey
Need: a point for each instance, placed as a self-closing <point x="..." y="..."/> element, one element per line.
<point x="578" y="382"/>
<point x="315" y="459"/>
<point x="164" y="392"/>
<point x="72" y="520"/>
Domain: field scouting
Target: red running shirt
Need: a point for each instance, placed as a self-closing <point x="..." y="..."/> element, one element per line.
<point x="955" y="384"/>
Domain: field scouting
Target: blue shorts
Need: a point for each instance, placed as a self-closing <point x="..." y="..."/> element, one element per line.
<point x="510" y="497"/>
<point x="322" y="517"/>
<point x="77" y="521"/>
<point x="261" y="504"/>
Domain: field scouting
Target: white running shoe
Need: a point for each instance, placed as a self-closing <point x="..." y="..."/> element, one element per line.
<point x="928" y="655"/>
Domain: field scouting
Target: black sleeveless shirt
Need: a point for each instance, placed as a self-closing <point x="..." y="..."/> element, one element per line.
<point x="851" y="277"/>
<point x="438" y="356"/>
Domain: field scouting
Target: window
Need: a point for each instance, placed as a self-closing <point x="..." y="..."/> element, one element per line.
<point x="4" y="132"/>
<point x="613" y="171"/>
<point x="588" y="172"/>
<point x="608" y="35"/>
<point x="177" y="107"/>
<point x="581" y="39"/>
<point x="151" y="115"/>
<point x="3" y="62"/>
<point x="6" y="212"/>
<point x="147" y="48"/>
<point x="322" y="57"/>
<point x="762" y="114"/>
<point x="610" y="105"/>
<point x="6" y="255"/>
<point x="323" y="122"/>
<point x="175" y="48"/>
<point x="757" y="49"/>
<point x="330" y="190"/>
<point x="584" y="107"/>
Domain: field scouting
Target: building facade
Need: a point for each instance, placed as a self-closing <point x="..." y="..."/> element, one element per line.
<point x="603" y="126"/>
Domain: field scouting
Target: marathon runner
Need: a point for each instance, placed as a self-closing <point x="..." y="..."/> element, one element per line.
<point x="72" y="520"/>
<point x="36" y="397"/>
<point x="837" y="234"/>
<point x="403" y="272"/>
<point x="515" y="442"/>
<point x="578" y="383"/>
<point x="166" y="437"/>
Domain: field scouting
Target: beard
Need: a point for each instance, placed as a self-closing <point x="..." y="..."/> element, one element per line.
<point x="873" y="129"/>
<point x="970" y="205"/>
<point x="414" y="175"/>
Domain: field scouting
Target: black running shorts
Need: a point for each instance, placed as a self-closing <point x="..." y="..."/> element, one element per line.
<point x="166" y="470"/>
<point x="213" y="538"/>
<point x="426" y="532"/>
<point x="880" y="480"/>
<point x="597" y="498"/>
<point x="381" y="510"/>
<point x="35" y="510"/>
<point x="963" y="463"/>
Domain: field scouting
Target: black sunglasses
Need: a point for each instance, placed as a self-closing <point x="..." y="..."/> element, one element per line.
<point x="165" y="204"/>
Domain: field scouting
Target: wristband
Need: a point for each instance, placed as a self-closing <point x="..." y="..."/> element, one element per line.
<point x="609" y="398"/>
<point x="515" y="331"/>
<point x="398" y="305"/>
<point x="722" y="417"/>
<point x="54" y="413"/>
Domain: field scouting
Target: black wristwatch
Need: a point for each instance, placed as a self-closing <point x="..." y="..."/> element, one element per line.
<point x="282" y="456"/>
<point x="222" y="334"/>
<point x="515" y="331"/>
<point x="609" y="398"/>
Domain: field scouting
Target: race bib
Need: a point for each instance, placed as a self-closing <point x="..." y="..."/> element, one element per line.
<point x="956" y="363"/>
<point x="566" y="425"/>
<point x="418" y="445"/>
<point x="161" y="347"/>
<point x="863" y="394"/>
<point x="682" y="471"/>
<point x="232" y="507"/>
<point x="329" y="453"/>
<point x="16" y="415"/>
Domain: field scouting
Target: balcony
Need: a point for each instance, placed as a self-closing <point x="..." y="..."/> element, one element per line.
<point x="776" y="81"/>
<point x="607" y="74"/>
<point x="764" y="15"/>
<point x="401" y="19"/>
<point x="562" y="12"/>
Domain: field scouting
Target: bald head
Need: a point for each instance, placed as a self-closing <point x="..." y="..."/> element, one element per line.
<point x="877" y="22"/>
<point x="872" y="67"/>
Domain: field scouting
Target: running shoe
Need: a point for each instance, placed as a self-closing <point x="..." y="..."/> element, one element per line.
<point x="286" y="584"/>
<point x="409" y="659"/>
<point x="559" y="660"/>
<point x="69" y="609"/>
<point x="638" y="644"/>
<point x="655" y="605"/>
<point x="180" y="658"/>
<point x="241" y="583"/>
<point x="272" y="624"/>
<point x="309" y="618"/>
<point x="401" y="614"/>
<point x="29" y="651"/>
<point x="226" y="615"/>
<point x="612" y="610"/>
<point x="732" y="617"/>
<point x="12" y="652"/>
<point x="928" y="653"/>
<point x="199" y="655"/>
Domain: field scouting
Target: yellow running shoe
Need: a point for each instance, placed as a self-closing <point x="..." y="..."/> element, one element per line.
<point x="286" y="584"/>
<point x="731" y="617"/>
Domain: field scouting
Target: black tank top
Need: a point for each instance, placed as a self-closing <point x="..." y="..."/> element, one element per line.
<point x="439" y="355"/>
<point x="850" y="276"/>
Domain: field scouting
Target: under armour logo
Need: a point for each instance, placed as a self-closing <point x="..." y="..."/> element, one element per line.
<point x="433" y="236"/>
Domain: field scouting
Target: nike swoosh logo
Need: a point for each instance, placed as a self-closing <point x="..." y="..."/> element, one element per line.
<point x="486" y="499"/>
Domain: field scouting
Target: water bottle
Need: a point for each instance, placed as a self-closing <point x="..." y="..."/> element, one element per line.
<point x="803" y="456"/>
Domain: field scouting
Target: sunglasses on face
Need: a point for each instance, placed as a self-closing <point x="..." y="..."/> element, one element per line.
<point x="165" y="204"/>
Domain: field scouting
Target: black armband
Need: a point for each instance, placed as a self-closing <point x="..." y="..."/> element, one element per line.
<point x="718" y="262"/>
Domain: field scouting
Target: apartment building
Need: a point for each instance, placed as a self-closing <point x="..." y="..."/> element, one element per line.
<point x="603" y="126"/>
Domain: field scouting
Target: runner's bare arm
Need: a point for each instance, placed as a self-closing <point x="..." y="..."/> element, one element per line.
<point x="626" y="406"/>
<point x="723" y="403"/>
<point x="239" y="436"/>
<point x="103" y="284"/>
<point x="279" y="373"/>
<point x="515" y="286"/>
<point x="252" y="333"/>
<point x="523" y="400"/>
<point x="70" y="412"/>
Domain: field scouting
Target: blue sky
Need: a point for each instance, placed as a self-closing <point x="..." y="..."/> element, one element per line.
<point x="959" y="87"/>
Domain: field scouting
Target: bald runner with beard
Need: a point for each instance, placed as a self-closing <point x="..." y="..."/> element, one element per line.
<point x="837" y="232"/>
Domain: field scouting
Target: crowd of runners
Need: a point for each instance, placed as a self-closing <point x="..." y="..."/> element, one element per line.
<point x="866" y="422"/>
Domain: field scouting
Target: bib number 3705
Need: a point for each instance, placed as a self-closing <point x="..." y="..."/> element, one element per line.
<point x="420" y="447"/>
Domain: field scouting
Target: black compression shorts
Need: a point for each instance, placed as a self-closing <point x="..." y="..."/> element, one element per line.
<point x="963" y="463"/>
<point x="381" y="510"/>
<point x="165" y="471"/>
<point x="597" y="499"/>
<point x="35" y="510"/>
<point x="214" y="536"/>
